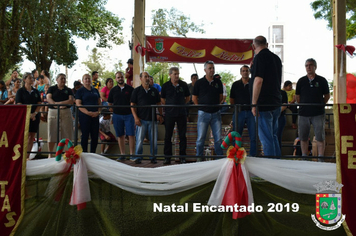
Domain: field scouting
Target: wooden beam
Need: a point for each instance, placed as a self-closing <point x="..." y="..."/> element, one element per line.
<point x="139" y="38"/>
<point x="339" y="30"/>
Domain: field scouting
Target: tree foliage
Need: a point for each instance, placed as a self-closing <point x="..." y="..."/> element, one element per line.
<point x="11" y="14"/>
<point x="324" y="9"/>
<point x="96" y="62"/>
<point x="173" y="22"/>
<point x="46" y="29"/>
<point x="164" y="23"/>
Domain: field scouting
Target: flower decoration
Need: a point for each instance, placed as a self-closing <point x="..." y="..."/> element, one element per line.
<point x="238" y="155"/>
<point x="73" y="154"/>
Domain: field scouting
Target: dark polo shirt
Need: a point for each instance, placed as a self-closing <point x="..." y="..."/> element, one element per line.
<point x="118" y="96"/>
<point x="141" y="97"/>
<point x="208" y="93"/>
<point x="241" y="94"/>
<point x="59" y="95"/>
<point x="312" y="92"/>
<point x="175" y="95"/>
<point x="88" y="97"/>
<point x="268" y="66"/>
<point x="24" y="97"/>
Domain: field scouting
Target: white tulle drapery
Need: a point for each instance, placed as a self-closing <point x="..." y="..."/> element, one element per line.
<point x="297" y="176"/>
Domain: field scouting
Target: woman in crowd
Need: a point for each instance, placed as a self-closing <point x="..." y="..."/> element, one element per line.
<point x="46" y="76"/>
<point x="59" y="95"/>
<point x="11" y="81"/>
<point x="104" y="93"/>
<point x="29" y="95"/>
<point x="13" y="91"/>
<point x="88" y="116"/>
<point x="3" y="93"/>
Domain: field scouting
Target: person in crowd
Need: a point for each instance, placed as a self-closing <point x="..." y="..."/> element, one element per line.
<point x="223" y="102"/>
<point x="129" y="72"/>
<point x="28" y="95"/>
<point x="88" y="116"/>
<point x="265" y="88"/>
<point x="104" y="130"/>
<point x="3" y="93"/>
<point x="282" y="118"/>
<point x="298" y="150"/>
<point x="13" y="91"/>
<point x="59" y="96"/>
<point x="44" y="109"/>
<point x="288" y="87"/>
<point x="240" y="94"/>
<point x="175" y="92"/>
<point x="47" y="79"/>
<point x="208" y="91"/>
<point x="145" y="95"/>
<point x="10" y="83"/>
<point x="153" y="84"/>
<point x="35" y="76"/>
<point x="312" y="88"/>
<point x="123" y="120"/>
<point x="40" y="85"/>
<point x="76" y="86"/>
<point x="104" y="93"/>
<point x="95" y="83"/>
<point x="193" y="78"/>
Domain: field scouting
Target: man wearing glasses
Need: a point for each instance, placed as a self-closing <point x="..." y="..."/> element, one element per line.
<point x="312" y="88"/>
<point x="175" y="92"/>
<point x="208" y="91"/>
<point x="122" y="117"/>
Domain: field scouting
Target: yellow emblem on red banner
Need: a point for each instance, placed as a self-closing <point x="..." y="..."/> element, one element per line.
<point x="231" y="56"/>
<point x="187" y="52"/>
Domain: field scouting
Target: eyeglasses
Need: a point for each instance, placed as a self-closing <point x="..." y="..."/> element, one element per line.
<point x="120" y="77"/>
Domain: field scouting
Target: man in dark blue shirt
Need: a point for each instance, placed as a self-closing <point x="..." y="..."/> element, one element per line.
<point x="123" y="120"/>
<point x="175" y="92"/>
<point x="208" y="91"/>
<point x="240" y="94"/>
<point x="145" y="96"/>
<point x="266" y="81"/>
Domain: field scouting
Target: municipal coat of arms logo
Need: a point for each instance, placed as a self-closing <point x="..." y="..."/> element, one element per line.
<point x="328" y="214"/>
<point x="159" y="47"/>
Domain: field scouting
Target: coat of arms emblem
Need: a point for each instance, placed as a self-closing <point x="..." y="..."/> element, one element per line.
<point x="328" y="214"/>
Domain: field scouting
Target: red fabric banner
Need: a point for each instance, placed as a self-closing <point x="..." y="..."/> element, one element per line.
<point x="345" y="130"/>
<point x="221" y="51"/>
<point x="14" y="122"/>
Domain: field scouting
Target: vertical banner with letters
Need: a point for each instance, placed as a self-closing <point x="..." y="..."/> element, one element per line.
<point x="345" y="131"/>
<point x="14" y="123"/>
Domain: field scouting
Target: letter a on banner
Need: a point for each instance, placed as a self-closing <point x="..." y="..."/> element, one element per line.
<point x="14" y="125"/>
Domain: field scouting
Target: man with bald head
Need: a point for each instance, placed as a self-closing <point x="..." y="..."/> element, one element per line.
<point x="266" y="78"/>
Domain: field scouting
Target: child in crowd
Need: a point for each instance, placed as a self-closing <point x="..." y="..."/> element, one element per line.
<point x="104" y="130"/>
<point x="44" y="109"/>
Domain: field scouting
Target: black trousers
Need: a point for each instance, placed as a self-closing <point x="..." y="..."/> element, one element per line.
<point x="169" y="123"/>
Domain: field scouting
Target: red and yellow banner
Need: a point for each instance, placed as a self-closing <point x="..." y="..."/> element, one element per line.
<point x="221" y="51"/>
<point x="345" y="130"/>
<point x="14" y="122"/>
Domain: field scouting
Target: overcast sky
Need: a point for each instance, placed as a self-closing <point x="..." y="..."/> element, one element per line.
<point x="304" y="36"/>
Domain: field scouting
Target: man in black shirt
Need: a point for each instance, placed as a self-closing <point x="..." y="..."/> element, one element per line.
<point x="240" y="94"/>
<point x="265" y="88"/>
<point x="312" y="88"/>
<point x="208" y="91"/>
<point x="123" y="119"/>
<point x="145" y="95"/>
<point x="175" y="92"/>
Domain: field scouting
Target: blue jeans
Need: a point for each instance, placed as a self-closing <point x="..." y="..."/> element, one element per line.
<point x="267" y="131"/>
<point x="204" y="120"/>
<point x="281" y="124"/>
<point x="246" y="117"/>
<point x="146" y="126"/>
